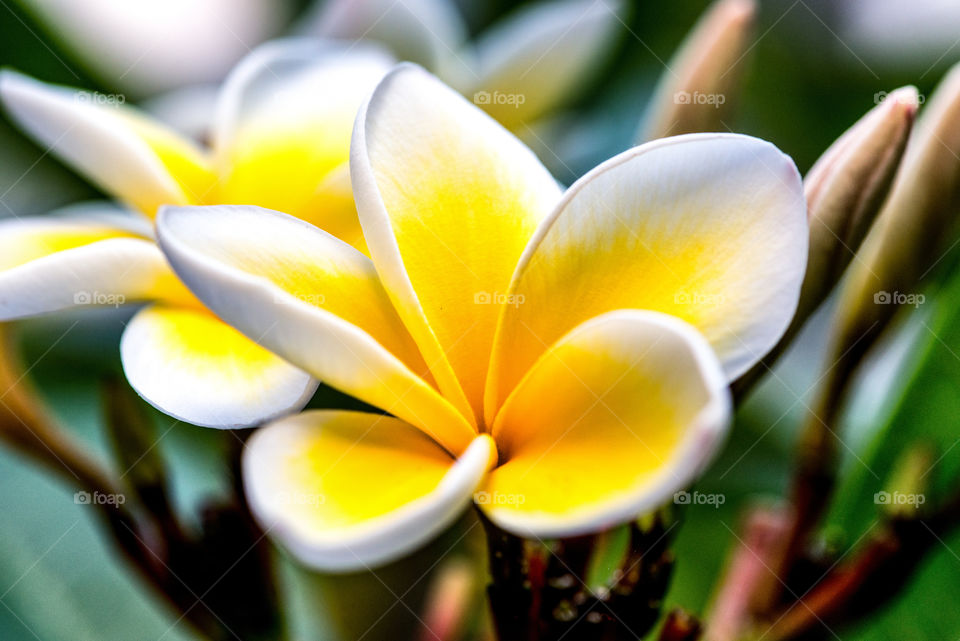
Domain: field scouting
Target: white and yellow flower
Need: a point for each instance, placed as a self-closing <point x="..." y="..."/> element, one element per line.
<point x="522" y="70"/>
<point x="281" y="140"/>
<point x="561" y="356"/>
<point x="519" y="70"/>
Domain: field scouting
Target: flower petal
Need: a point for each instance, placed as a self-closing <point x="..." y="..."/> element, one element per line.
<point x="708" y="227"/>
<point x="347" y="490"/>
<point x="126" y="154"/>
<point x="149" y="46"/>
<point x="108" y="213"/>
<point x="284" y="122"/>
<point x="312" y="299"/>
<point x="700" y="88"/>
<point x="423" y="31"/>
<point x="190" y="109"/>
<point x="638" y="405"/>
<point x="52" y="263"/>
<point x="339" y="210"/>
<point x="538" y="56"/>
<point x="192" y="366"/>
<point x="447" y="200"/>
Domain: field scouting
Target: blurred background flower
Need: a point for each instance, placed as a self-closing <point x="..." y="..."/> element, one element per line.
<point x="151" y="46"/>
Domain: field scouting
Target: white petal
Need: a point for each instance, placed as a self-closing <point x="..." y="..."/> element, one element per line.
<point x="283" y="128"/>
<point x="54" y="263"/>
<point x="189" y="110"/>
<point x="531" y="61"/>
<point x="108" y="213"/>
<point x="114" y="146"/>
<point x="312" y="299"/>
<point x="447" y="200"/>
<point x="346" y="491"/>
<point x="638" y="407"/>
<point x="150" y="46"/>
<point x="192" y="366"/>
<point x="421" y="31"/>
<point x="710" y="228"/>
<point x="302" y="78"/>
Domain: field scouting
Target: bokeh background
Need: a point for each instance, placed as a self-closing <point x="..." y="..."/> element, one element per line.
<point x="814" y="67"/>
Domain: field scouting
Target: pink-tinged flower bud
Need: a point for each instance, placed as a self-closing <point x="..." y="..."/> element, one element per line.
<point x="915" y="228"/>
<point x="846" y="189"/>
<point x="913" y="233"/>
<point x="696" y="92"/>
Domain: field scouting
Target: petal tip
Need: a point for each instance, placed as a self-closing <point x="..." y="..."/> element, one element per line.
<point x="662" y="338"/>
<point x="331" y="543"/>
<point x="236" y="393"/>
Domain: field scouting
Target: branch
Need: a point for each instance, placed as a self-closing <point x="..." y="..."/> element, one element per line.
<point x="26" y="426"/>
<point x="873" y="577"/>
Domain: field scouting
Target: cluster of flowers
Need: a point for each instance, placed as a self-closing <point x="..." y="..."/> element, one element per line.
<point x="339" y="227"/>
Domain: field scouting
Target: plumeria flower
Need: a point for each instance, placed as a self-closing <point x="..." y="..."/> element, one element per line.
<point x="282" y="140"/>
<point x="560" y="357"/>
<point x="521" y="70"/>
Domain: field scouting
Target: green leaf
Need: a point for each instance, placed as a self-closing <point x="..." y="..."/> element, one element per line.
<point x="130" y="428"/>
<point x="923" y="409"/>
<point x="58" y="579"/>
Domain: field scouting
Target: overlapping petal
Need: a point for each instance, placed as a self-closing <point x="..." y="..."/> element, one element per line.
<point x="447" y="200"/>
<point x="283" y="126"/>
<point x="190" y="109"/>
<point x="346" y="490"/>
<point x="535" y="58"/>
<point x="192" y="366"/>
<point x="613" y="418"/>
<point x="312" y="299"/>
<point x="710" y="228"/>
<point x="148" y="46"/>
<point x="423" y="31"/>
<point x="139" y="161"/>
<point x="53" y="263"/>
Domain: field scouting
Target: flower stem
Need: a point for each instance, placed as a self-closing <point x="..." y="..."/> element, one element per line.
<point x="539" y="592"/>
<point x="27" y="426"/>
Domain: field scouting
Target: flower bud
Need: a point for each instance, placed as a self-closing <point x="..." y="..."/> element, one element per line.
<point x="911" y="236"/>
<point x="695" y="92"/>
<point x="915" y="228"/>
<point x="846" y="188"/>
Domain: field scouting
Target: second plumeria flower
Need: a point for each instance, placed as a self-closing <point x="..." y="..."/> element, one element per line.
<point x="281" y="140"/>
<point x="520" y="70"/>
<point x="560" y="357"/>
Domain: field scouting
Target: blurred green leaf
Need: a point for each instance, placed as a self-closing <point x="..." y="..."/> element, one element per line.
<point x="58" y="580"/>
<point x="924" y="410"/>
<point x="750" y="468"/>
<point x="131" y="431"/>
